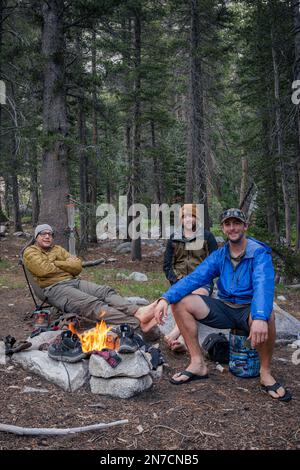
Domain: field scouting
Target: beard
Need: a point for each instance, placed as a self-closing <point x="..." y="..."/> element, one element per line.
<point x="237" y="240"/>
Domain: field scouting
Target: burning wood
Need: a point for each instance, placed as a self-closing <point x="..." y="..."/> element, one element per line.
<point x="97" y="338"/>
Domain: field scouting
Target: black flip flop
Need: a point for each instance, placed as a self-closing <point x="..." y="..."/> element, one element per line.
<point x="273" y="388"/>
<point x="191" y="377"/>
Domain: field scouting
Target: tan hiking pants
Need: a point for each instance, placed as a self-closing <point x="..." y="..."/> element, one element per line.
<point x="89" y="300"/>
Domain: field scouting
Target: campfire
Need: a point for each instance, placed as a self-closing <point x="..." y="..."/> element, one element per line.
<point x="97" y="338"/>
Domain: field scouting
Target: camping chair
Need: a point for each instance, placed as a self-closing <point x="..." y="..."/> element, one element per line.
<point x="34" y="288"/>
<point x="62" y="318"/>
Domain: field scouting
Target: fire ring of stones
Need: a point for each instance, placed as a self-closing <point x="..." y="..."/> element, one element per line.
<point x="131" y="376"/>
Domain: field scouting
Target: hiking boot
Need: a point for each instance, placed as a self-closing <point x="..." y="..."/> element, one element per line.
<point x="67" y="348"/>
<point x="127" y="343"/>
<point x="41" y="319"/>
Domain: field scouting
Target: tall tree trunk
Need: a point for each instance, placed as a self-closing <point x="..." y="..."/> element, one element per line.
<point x="7" y="198"/>
<point x="34" y="193"/>
<point x="14" y="170"/>
<point x="156" y="174"/>
<point x="196" y="184"/>
<point x="136" y="250"/>
<point x="244" y="182"/>
<point x="92" y="193"/>
<point x="83" y="159"/>
<point x="54" y="171"/>
<point x="279" y="137"/>
<point x="296" y="14"/>
<point x="16" y="200"/>
<point x="83" y="170"/>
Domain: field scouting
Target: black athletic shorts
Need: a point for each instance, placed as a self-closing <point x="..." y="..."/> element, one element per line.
<point x="223" y="316"/>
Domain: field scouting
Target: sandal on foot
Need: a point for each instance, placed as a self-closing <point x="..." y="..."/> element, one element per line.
<point x="273" y="388"/>
<point x="191" y="377"/>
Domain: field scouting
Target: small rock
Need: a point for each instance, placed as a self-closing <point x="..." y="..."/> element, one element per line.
<point x="139" y="277"/>
<point x="11" y="305"/>
<point x="44" y="443"/>
<point x="121" y="277"/>
<point x="111" y="260"/>
<point x="281" y="297"/>
<point x="140" y="429"/>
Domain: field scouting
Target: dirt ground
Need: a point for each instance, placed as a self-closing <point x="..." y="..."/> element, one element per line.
<point x="224" y="412"/>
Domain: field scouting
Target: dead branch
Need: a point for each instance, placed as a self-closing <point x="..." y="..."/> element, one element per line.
<point x="57" y="431"/>
<point x="93" y="263"/>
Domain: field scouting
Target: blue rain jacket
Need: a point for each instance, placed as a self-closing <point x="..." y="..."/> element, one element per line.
<point x="252" y="281"/>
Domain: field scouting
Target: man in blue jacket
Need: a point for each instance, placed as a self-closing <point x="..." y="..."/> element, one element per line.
<point x="245" y="301"/>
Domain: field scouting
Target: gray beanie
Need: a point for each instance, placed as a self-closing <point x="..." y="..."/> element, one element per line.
<point x="41" y="228"/>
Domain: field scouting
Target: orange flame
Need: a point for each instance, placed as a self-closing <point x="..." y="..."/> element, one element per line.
<point x="96" y="338"/>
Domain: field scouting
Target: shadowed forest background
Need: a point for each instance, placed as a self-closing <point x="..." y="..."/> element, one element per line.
<point x="162" y="101"/>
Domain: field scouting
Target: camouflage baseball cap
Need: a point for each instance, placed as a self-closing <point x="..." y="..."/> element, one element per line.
<point x="233" y="213"/>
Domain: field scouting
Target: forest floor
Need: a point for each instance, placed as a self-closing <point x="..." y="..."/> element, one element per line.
<point x="224" y="412"/>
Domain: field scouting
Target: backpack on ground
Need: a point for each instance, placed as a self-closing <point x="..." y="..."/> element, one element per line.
<point x="216" y="346"/>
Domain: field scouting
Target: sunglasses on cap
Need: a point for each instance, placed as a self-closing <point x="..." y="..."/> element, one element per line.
<point x="233" y="213"/>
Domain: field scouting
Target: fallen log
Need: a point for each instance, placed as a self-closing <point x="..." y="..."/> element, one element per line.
<point x="293" y="286"/>
<point x="57" y="431"/>
<point x="93" y="263"/>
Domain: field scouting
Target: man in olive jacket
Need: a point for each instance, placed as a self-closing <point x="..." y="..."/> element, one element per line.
<point x="55" y="270"/>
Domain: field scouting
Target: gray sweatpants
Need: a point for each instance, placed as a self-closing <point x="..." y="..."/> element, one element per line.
<point x="89" y="300"/>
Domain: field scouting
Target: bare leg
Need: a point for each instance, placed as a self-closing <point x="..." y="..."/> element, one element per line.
<point x="265" y="351"/>
<point x="186" y="313"/>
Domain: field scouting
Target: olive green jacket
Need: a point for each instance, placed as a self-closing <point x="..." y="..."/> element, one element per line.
<point x="51" y="267"/>
<point x="183" y="255"/>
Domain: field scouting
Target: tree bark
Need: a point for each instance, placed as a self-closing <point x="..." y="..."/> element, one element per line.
<point x="244" y="182"/>
<point x="156" y="174"/>
<point x="14" y="170"/>
<point x="34" y="193"/>
<point x="136" y="250"/>
<point x="54" y="171"/>
<point x="279" y="138"/>
<point x="296" y="15"/>
<point x="83" y="176"/>
<point x="196" y="184"/>
<point x="83" y="159"/>
<point x="93" y="170"/>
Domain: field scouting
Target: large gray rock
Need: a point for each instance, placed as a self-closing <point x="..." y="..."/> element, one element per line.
<point x="67" y="376"/>
<point x="287" y="326"/>
<point x="3" y="358"/>
<point x="47" y="337"/>
<point x="203" y="330"/>
<point x="124" y="248"/>
<point x="122" y="387"/>
<point x="138" y="277"/>
<point x="132" y="365"/>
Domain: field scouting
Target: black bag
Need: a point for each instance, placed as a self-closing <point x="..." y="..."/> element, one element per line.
<point x="216" y="346"/>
